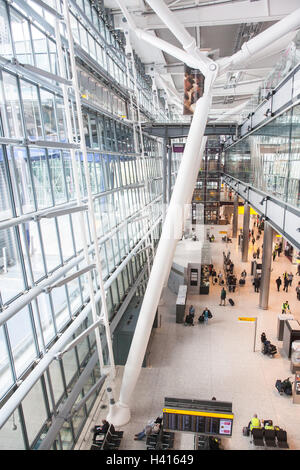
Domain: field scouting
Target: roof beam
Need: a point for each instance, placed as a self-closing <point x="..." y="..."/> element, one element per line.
<point x="222" y="14"/>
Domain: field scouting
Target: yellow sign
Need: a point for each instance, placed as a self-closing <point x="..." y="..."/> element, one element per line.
<point x="198" y="413"/>
<point x="223" y="231"/>
<point x="241" y="210"/>
<point x="247" y="319"/>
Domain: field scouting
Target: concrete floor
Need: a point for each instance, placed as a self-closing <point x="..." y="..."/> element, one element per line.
<point x="215" y="359"/>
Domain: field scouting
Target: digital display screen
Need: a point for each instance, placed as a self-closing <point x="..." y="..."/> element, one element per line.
<point x="225" y="427"/>
<point x="198" y="424"/>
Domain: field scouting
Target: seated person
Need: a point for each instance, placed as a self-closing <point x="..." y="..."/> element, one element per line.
<point x="268" y="424"/>
<point x="214" y="443"/>
<point x="254" y="423"/>
<point x="102" y="429"/>
<point x="206" y="313"/>
<point x="189" y="320"/>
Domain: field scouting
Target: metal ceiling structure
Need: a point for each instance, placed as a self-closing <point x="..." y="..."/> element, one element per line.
<point x="220" y="27"/>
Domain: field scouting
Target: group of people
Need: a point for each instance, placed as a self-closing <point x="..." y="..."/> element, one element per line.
<point x="277" y="250"/>
<point x="256" y="423"/>
<point x="189" y="319"/>
<point x="287" y="281"/>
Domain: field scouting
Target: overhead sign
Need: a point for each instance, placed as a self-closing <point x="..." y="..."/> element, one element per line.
<point x="198" y="416"/>
<point x="193" y="89"/>
<point x="178" y="148"/>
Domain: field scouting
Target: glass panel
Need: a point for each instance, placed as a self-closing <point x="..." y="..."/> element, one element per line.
<point x="70" y="365"/>
<point x="40" y="49"/>
<point x="65" y="237"/>
<point x="6" y="377"/>
<point x="5" y="206"/>
<point x="46" y="317"/>
<point x="31" y="111"/>
<point x="60" y="307"/>
<point x="21" y="340"/>
<point x="11" y="436"/>
<point x="41" y="177"/>
<point x="34" y="410"/>
<point x="12" y="107"/>
<point x="21" y="37"/>
<point x="5" y="42"/>
<point x="57" y="175"/>
<point x="50" y="127"/>
<point x="56" y="380"/>
<point x="11" y="280"/>
<point x="66" y="437"/>
<point x="50" y="241"/>
<point x="22" y="180"/>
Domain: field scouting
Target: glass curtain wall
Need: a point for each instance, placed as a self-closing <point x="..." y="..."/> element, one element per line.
<point x="37" y="176"/>
<point x="269" y="158"/>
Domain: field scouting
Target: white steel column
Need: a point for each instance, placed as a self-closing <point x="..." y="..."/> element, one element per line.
<point x="172" y="231"/>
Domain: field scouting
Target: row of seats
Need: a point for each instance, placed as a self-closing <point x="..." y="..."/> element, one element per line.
<point x="270" y="438"/>
<point x="163" y="440"/>
<point x="111" y="440"/>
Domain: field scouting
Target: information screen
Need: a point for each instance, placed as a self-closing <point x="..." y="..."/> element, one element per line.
<point x="198" y="422"/>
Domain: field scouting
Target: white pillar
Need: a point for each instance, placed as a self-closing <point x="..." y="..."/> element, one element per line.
<point x="172" y="231"/>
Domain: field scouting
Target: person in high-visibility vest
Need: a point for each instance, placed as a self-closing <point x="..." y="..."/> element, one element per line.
<point x="268" y="424"/>
<point x="254" y="423"/>
<point x="285" y="307"/>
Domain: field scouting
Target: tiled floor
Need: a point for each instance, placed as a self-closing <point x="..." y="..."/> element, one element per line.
<point x="216" y="359"/>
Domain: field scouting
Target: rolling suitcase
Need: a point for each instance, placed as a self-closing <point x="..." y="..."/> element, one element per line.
<point x="245" y="431"/>
<point x="231" y="302"/>
<point x="242" y="282"/>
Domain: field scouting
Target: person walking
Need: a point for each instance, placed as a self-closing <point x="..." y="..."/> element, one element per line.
<point x="256" y="283"/>
<point x="298" y="270"/>
<point x="258" y="252"/>
<point x="223" y="296"/>
<point x="285" y="283"/>
<point x="220" y="276"/>
<point x="278" y="282"/>
<point x="233" y="283"/>
<point x="274" y="255"/>
<point x="290" y="279"/>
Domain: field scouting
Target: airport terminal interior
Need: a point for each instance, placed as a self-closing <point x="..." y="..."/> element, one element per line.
<point x="149" y="225"/>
